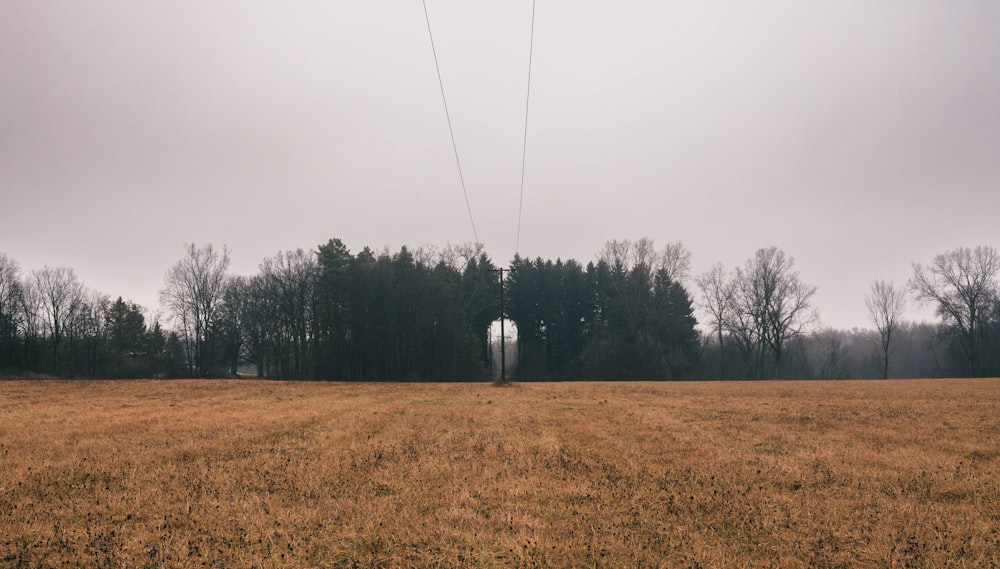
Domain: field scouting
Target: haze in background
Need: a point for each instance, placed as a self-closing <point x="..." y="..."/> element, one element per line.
<point x="858" y="137"/>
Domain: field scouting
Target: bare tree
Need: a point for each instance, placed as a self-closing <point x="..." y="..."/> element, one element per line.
<point x="624" y="254"/>
<point x="963" y="284"/>
<point x="10" y="304"/>
<point x="885" y="305"/>
<point x="61" y="293"/>
<point x="235" y="321"/>
<point x="617" y="254"/>
<point x="32" y="327"/>
<point x="643" y="252"/>
<point x="291" y="278"/>
<point x="744" y="320"/>
<point x="427" y="255"/>
<point x="88" y="330"/>
<point x="676" y="260"/>
<point x="193" y="294"/>
<point x="716" y="299"/>
<point x="771" y="305"/>
<point x="631" y="266"/>
<point x="459" y="256"/>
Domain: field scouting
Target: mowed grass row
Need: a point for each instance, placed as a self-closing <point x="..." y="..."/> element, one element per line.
<point x="748" y="474"/>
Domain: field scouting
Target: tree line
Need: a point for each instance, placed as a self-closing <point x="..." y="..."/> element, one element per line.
<point x="330" y="314"/>
<point x="627" y="316"/>
<point x="51" y="324"/>
<point x="765" y="326"/>
<point x="425" y="314"/>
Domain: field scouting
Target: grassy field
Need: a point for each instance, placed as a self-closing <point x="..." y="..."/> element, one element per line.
<point x="248" y="473"/>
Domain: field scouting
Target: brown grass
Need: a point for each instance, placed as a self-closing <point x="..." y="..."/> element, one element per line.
<point x="240" y="474"/>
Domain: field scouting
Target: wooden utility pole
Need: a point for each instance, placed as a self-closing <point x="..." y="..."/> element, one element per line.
<point x="503" y="335"/>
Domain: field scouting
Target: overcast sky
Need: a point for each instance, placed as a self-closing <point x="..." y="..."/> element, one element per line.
<point x="857" y="136"/>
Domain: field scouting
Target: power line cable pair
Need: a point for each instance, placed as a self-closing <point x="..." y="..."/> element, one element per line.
<point x="451" y="131"/>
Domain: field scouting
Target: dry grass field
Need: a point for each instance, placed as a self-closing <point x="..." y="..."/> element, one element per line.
<point x="261" y="474"/>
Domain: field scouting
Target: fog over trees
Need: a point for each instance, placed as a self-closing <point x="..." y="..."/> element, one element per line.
<point x="424" y="315"/>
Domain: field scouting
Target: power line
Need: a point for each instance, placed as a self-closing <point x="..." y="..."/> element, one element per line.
<point x="524" y="149"/>
<point x="450" y="129"/>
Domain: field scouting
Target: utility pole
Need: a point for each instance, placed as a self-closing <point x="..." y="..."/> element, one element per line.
<point x="503" y="335"/>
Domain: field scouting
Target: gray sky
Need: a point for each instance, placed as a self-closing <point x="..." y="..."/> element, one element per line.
<point x="858" y="136"/>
